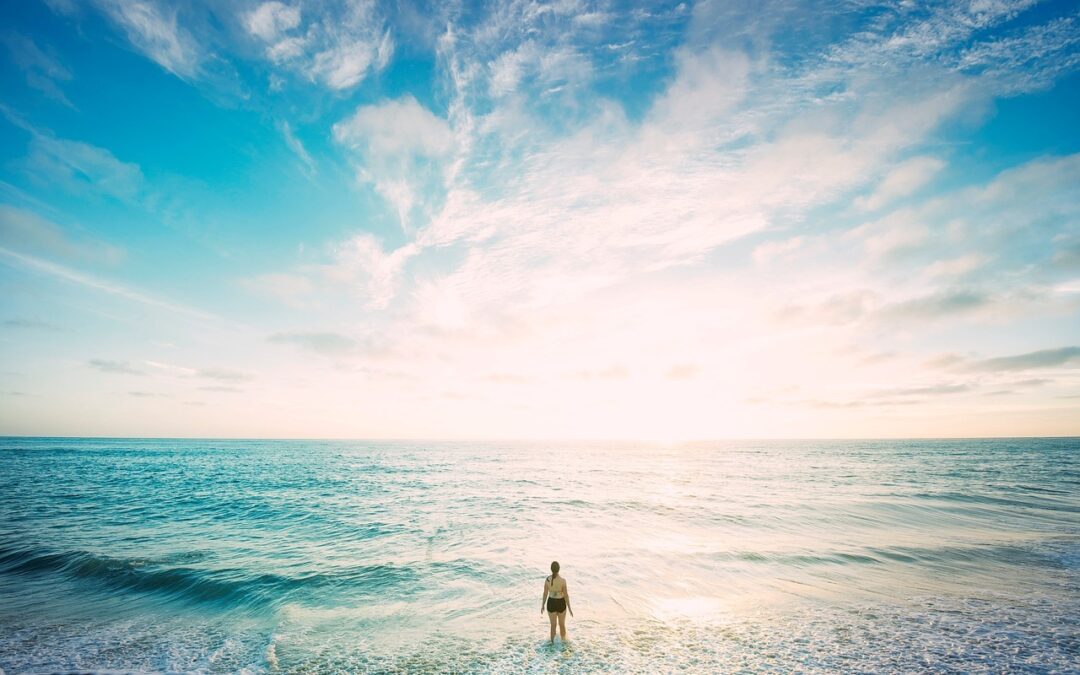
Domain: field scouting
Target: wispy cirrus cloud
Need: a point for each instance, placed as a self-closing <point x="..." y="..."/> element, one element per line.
<point x="43" y="70"/>
<point x="337" y="44"/>
<point x="298" y="148"/>
<point x="92" y="282"/>
<point x="154" y="29"/>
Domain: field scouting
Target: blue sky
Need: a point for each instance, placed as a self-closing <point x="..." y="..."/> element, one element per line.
<point x="540" y="220"/>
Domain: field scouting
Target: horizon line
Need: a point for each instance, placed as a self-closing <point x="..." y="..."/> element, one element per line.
<point x="657" y="441"/>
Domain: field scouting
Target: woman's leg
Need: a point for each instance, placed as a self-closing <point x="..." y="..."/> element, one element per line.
<point x="562" y="625"/>
<point x="551" y="616"/>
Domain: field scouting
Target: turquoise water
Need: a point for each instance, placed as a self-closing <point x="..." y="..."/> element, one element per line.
<point x="349" y="556"/>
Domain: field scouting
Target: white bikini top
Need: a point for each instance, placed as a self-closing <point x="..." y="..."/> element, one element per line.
<point x="552" y="593"/>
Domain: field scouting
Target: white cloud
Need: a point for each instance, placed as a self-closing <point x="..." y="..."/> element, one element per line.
<point x="613" y="200"/>
<point x="286" y="49"/>
<point x="1021" y="217"/>
<point x="547" y="67"/>
<point x="400" y="147"/>
<point x="397" y="127"/>
<point x="340" y="44"/>
<point x="616" y="200"/>
<point x="958" y="266"/>
<point x="171" y="369"/>
<point x="709" y="84"/>
<point x="345" y="63"/>
<point x="921" y="38"/>
<point x="154" y="30"/>
<point x="361" y="264"/>
<point x="270" y="20"/>
<point x="562" y="232"/>
<point x="901" y="181"/>
<point x="895" y="234"/>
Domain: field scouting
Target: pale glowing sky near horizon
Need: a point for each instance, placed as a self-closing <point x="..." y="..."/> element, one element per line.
<point x="539" y="220"/>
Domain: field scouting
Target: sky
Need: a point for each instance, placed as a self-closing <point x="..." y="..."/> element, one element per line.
<point x="524" y="219"/>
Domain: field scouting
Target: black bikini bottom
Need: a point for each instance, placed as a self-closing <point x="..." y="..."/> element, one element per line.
<point x="556" y="605"/>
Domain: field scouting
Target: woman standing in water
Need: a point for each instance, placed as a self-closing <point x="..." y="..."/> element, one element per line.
<point x="557" y="601"/>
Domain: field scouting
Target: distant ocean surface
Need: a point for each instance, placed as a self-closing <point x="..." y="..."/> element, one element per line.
<point x="352" y="556"/>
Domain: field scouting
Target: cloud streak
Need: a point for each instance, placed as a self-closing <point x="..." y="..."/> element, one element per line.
<point x="1040" y="359"/>
<point x="330" y="344"/>
<point x="91" y="282"/>
<point x="114" y="367"/>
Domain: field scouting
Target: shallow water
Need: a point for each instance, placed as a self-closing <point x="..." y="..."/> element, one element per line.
<point x="308" y="556"/>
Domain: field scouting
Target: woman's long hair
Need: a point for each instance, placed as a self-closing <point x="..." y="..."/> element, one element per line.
<point x="554" y="570"/>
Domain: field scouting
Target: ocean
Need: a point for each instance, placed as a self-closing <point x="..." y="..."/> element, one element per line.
<point x="386" y="557"/>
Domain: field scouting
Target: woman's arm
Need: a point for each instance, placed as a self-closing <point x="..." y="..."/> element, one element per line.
<point x="566" y="594"/>
<point x="543" y="598"/>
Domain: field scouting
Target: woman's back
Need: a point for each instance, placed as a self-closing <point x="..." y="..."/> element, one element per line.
<point x="556" y="586"/>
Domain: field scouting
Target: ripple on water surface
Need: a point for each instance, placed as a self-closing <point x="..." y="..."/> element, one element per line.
<point x="226" y="556"/>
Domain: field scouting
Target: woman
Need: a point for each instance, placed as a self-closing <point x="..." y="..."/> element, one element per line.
<point x="557" y="601"/>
